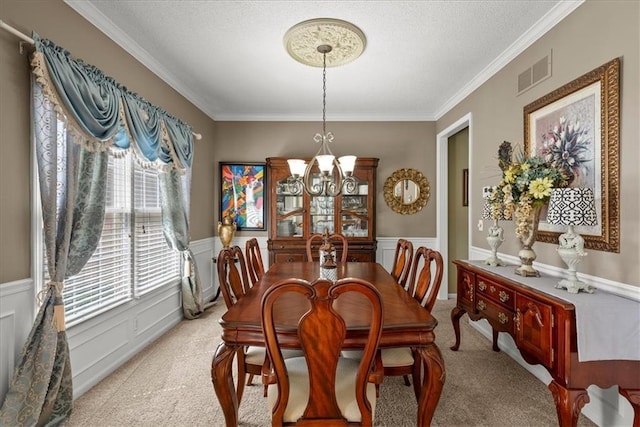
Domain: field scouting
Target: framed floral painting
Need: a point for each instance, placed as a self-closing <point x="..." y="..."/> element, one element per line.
<point x="243" y="195"/>
<point x="577" y="127"/>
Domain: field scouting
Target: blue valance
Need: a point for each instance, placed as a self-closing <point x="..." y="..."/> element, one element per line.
<point x="105" y="115"/>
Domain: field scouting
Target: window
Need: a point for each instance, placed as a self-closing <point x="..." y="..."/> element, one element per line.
<point x="132" y="257"/>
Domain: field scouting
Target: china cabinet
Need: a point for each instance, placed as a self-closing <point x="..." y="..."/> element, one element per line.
<point x="293" y="217"/>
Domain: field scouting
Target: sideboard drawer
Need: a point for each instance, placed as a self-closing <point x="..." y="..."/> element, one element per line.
<point x="496" y="292"/>
<point x="500" y="319"/>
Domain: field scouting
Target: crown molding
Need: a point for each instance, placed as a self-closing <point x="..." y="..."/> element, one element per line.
<point x="111" y="30"/>
<point x="560" y="11"/>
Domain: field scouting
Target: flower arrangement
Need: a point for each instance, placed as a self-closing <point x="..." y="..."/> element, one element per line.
<point x="526" y="184"/>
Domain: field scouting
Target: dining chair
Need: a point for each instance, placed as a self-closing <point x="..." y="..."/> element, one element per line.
<point x="255" y="267"/>
<point x="234" y="283"/>
<point x="318" y="238"/>
<point x="426" y="277"/>
<point x="321" y="387"/>
<point x="402" y="261"/>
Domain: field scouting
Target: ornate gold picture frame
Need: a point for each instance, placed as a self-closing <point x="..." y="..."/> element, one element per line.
<point x="578" y="126"/>
<point x="406" y="191"/>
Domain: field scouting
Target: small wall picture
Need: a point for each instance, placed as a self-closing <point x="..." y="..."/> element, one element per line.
<point x="465" y="187"/>
<point x="243" y="195"/>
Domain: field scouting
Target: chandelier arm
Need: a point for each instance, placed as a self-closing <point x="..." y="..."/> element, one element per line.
<point x="295" y="185"/>
<point x="310" y="188"/>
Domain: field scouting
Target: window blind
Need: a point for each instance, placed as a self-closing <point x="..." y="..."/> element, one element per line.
<point x="132" y="257"/>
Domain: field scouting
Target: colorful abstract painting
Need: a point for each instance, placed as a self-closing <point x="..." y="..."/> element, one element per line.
<point x="243" y="194"/>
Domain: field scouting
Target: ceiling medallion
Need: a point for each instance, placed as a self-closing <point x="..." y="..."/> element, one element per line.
<point x="347" y="42"/>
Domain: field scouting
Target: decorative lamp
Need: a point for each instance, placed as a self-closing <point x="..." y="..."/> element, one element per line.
<point x="572" y="206"/>
<point x="496" y="233"/>
<point x="316" y="42"/>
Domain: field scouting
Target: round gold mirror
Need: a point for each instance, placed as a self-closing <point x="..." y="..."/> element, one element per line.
<point x="406" y="191"/>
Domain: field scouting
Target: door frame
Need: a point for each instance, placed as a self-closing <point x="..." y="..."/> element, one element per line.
<point x="442" y="191"/>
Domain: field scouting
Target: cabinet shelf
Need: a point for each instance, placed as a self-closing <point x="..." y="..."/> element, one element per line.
<point x="349" y="214"/>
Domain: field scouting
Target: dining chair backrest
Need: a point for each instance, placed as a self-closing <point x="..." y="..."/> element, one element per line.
<point x="317" y="239"/>
<point x="232" y="275"/>
<point x="402" y="259"/>
<point x="255" y="267"/>
<point x="321" y="333"/>
<point x="426" y="276"/>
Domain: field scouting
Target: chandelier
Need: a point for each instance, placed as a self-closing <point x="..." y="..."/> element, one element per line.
<point x="340" y="42"/>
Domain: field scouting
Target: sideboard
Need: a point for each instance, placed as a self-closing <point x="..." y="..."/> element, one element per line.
<point x="543" y="327"/>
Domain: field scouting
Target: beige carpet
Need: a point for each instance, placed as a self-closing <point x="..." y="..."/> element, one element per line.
<point x="169" y="384"/>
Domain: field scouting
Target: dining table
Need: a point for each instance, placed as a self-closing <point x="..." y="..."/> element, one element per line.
<point x="405" y="324"/>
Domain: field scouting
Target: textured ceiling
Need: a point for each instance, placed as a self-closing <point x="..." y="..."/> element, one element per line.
<point x="228" y="58"/>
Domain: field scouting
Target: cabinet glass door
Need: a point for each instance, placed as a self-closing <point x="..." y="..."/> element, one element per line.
<point x="322" y="214"/>
<point x="289" y="212"/>
<point x="354" y="213"/>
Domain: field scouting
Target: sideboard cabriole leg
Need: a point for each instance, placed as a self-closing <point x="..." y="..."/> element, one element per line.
<point x="433" y="381"/>
<point x="633" y="396"/>
<point x="222" y="378"/>
<point x="495" y="339"/>
<point x="456" y="314"/>
<point x="569" y="403"/>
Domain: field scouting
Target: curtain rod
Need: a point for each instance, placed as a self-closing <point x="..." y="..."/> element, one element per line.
<point x="29" y="40"/>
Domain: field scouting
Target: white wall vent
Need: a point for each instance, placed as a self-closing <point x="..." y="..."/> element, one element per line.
<point x="535" y="74"/>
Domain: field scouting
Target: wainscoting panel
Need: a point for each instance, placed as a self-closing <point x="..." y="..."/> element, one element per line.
<point x="102" y="344"/>
<point x="17" y="311"/>
<point x="203" y="252"/>
<point x="387" y="248"/>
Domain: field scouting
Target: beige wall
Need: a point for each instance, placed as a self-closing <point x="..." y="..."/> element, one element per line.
<point x="396" y="144"/>
<point x="592" y="35"/>
<point x="54" y="20"/>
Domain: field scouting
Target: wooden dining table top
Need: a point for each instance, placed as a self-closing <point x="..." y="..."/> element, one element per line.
<point x="405" y="322"/>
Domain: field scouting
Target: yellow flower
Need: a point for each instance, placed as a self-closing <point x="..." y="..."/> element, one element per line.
<point x="525" y="166"/>
<point x="510" y="175"/>
<point x="540" y="188"/>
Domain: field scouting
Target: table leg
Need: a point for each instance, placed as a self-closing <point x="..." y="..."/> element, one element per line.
<point x="633" y="396"/>
<point x="456" y="314"/>
<point x="433" y="381"/>
<point x="569" y="403"/>
<point x="222" y="378"/>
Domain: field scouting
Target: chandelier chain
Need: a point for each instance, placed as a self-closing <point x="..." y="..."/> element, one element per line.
<point x="324" y="95"/>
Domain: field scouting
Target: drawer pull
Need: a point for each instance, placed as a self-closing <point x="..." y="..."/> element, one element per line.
<point x="504" y="297"/>
<point x="482" y="305"/>
<point x="482" y="286"/>
<point x="290" y="259"/>
<point x="502" y="318"/>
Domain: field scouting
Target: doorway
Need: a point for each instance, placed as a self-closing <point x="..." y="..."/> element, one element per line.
<point x="442" y="193"/>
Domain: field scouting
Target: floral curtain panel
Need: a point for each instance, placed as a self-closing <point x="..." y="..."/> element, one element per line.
<point x="100" y="117"/>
